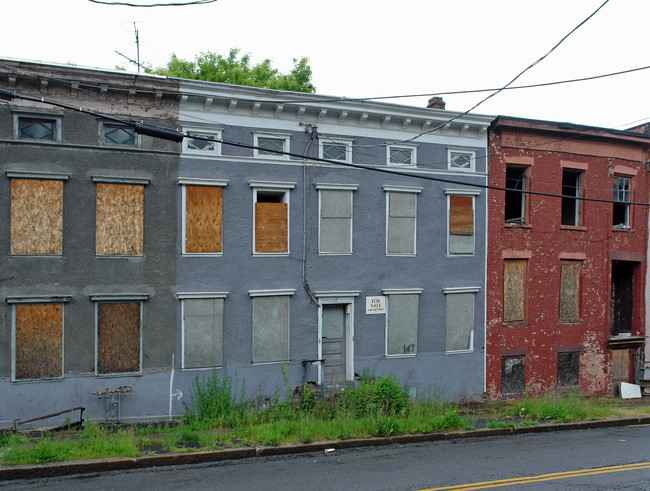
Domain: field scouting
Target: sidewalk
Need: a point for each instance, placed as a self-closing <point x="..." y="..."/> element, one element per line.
<point x="30" y="471"/>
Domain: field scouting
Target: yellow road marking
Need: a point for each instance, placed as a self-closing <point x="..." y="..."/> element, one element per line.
<point x="544" y="477"/>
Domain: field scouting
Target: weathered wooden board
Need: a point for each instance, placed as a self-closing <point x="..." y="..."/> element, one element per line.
<point x="39" y="341"/>
<point x="118" y="337"/>
<point x="36" y="216"/>
<point x="461" y="215"/>
<point x="570" y="292"/>
<point x="120" y="211"/>
<point x="271" y="227"/>
<point x="514" y="273"/>
<point x="203" y="218"/>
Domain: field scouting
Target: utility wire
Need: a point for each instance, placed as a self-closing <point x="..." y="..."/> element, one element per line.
<point x="174" y="4"/>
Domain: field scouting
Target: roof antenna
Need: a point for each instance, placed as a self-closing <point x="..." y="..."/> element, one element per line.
<point x="137" y="45"/>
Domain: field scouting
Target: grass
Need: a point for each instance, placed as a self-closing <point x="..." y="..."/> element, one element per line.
<point x="220" y="418"/>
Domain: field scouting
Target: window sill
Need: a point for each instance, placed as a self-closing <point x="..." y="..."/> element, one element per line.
<point x="459" y="352"/>
<point x="393" y="254"/>
<point x="460" y="254"/>
<point x="518" y="225"/>
<point x="200" y="369"/>
<point x="118" y="256"/>
<point x="578" y="228"/>
<point x="37" y="380"/>
<point x="514" y="323"/>
<point x="404" y="355"/>
<point x="115" y="375"/>
<point x="270" y="254"/>
<point x="46" y="256"/>
<point x="202" y="254"/>
<point x="335" y="253"/>
<point x="575" y="321"/>
<point x="260" y="363"/>
<point x="626" y="230"/>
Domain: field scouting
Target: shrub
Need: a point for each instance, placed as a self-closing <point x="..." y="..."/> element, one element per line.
<point x="215" y="399"/>
<point x="381" y="396"/>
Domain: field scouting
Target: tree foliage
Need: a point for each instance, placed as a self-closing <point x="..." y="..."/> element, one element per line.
<point x="231" y="69"/>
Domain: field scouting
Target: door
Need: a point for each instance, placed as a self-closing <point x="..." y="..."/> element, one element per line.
<point x="333" y="343"/>
<point x="622" y="304"/>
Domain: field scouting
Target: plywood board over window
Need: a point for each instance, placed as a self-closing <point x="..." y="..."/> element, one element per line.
<point x="461" y="215"/>
<point x="514" y="290"/>
<point x="120" y="212"/>
<point x="36" y="216"/>
<point x="38" y="341"/>
<point x="271" y="227"/>
<point x="570" y="292"/>
<point x="203" y="219"/>
<point x="118" y="337"/>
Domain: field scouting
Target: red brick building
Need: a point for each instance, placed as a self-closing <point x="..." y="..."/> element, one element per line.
<point x="565" y="274"/>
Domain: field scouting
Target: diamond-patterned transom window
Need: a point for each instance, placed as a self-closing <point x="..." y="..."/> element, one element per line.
<point x="400" y="155"/>
<point x="335" y="151"/>
<point x="197" y="145"/>
<point x="36" y="128"/>
<point x="461" y="160"/>
<point x="119" y="135"/>
<point x="270" y="146"/>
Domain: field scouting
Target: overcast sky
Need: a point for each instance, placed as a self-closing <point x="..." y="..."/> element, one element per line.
<point x="367" y="48"/>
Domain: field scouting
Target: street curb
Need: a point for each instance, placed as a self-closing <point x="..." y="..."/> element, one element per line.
<point x="31" y="471"/>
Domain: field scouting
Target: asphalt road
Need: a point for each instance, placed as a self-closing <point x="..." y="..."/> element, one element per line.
<point x="595" y="459"/>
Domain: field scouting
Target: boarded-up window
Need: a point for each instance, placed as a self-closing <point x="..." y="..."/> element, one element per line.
<point x="270" y="329"/>
<point x="460" y="321"/>
<point x="118" y="337"/>
<point x="36" y="216"/>
<point x="568" y="369"/>
<point x="461" y="224"/>
<point x="203" y="332"/>
<point x="401" y="223"/>
<point x="335" y="232"/>
<point x="513" y="379"/>
<point x="120" y="211"/>
<point x="39" y="341"/>
<point x="203" y="218"/>
<point x="514" y="291"/>
<point x="570" y="292"/>
<point x="271" y="222"/>
<point x="402" y="324"/>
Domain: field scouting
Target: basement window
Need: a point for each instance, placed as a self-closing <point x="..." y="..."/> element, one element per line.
<point x="568" y="369"/>
<point x="513" y="380"/>
<point x="621" y="208"/>
<point x="515" y="184"/>
<point x="571" y="191"/>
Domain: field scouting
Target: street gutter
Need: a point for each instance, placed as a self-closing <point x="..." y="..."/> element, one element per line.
<point x="53" y="469"/>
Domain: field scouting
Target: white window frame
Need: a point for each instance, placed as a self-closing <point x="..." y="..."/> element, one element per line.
<point x="412" y="148"/>
<point x="626" y="203"/>
<point x="213" y="134"/>
<point x="336" y="141"/>
<point x="472" y="159"/>
<point x="272" y="293"/>
<point x="182" y="296"/>
<point x="117" y="298"/>
<point x="400" y="291"/>
<point x="31" y="300"/>
<point x="283" y="188"/>
<point x="457" y="290"/>
<point x="56" y="117"/>
<point x="273" y="136"/>
<point x="336" y="187"/>
<point x="402" y="189"/>
<point x="188" y="181"/>
<point x="462" y="192"/>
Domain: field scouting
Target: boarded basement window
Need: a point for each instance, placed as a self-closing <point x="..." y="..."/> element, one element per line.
<point x="202" y="332"/>
<point x="335" y="232"/>
<point x="203" y="219"/>
<point x="39" y="341"/>
<point x="460" y="321"/>
<point x="36" y="216"/>
<point x="120" y="211"/>
<point x="570" y="292"/>
<point x="461" y="224"/>
<point x="271" y="329"/>
<point x="271" y="222"/>
<point x="514" y="291"/>
<point x="402" y="324"/>
<point x="401" y="224"/>
<point x="568" y="369"/>
<point x="118" y="337"/>
<point x="512" y="375"/>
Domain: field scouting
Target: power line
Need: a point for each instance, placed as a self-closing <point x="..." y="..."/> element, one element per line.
<point x="173" y="4"/>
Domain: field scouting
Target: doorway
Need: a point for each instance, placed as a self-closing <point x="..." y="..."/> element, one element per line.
<point x="622" y="303"/>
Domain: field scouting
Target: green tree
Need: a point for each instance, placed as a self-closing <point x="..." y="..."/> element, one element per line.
<point x="231" y="69"/>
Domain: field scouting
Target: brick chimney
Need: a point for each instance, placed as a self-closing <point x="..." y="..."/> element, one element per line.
<point x="436" y="103"/>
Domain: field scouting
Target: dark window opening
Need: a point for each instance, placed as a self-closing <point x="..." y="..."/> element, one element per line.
<point x="270" y="197"/>
<point x="512" y="375"/>
<point x="515" y="198"/>
<point x="621" y="208"/>
<point x="571" y="190"/>
<point x="622" y="304"/>
<point x="568" y="369"/>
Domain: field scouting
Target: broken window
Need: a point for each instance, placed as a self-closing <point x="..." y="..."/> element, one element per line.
<point x="36" y="216"/>
<point x="513" y="379"/>
<point x="515" y="211"/>
<point x="569" y="291"/>
<point x="621" y="208"/>
<point x="270" y="326"/>
<point x="461" y="225"/>
<point x="571" y="190"/>
<point x="402" y="321"/>
<point x="202" y="219"/>
<point x="568" y="369"/>
<point x="200" y="143"/>
<point x="335" y="228"/>
<point x="401" y="204"/>
<point x="271" y="218"/>
<point x="203" y="331"/>
<point x="118" y="337"/>
<point x="460" y="319"/>
<point x="38" y="338"/>
<point x="514" y="290"/>
<point x="120" y="212"/>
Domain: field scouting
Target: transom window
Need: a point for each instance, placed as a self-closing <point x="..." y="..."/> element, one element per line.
<point x="36" y="128"/>
<point x="335" y="150"/>
<point x="118" y="135"/>
<point x="271" y="146"/>
<point x="401" y="155"/>
<point x="202" y="143"/>
<point x="460" y="160"/>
